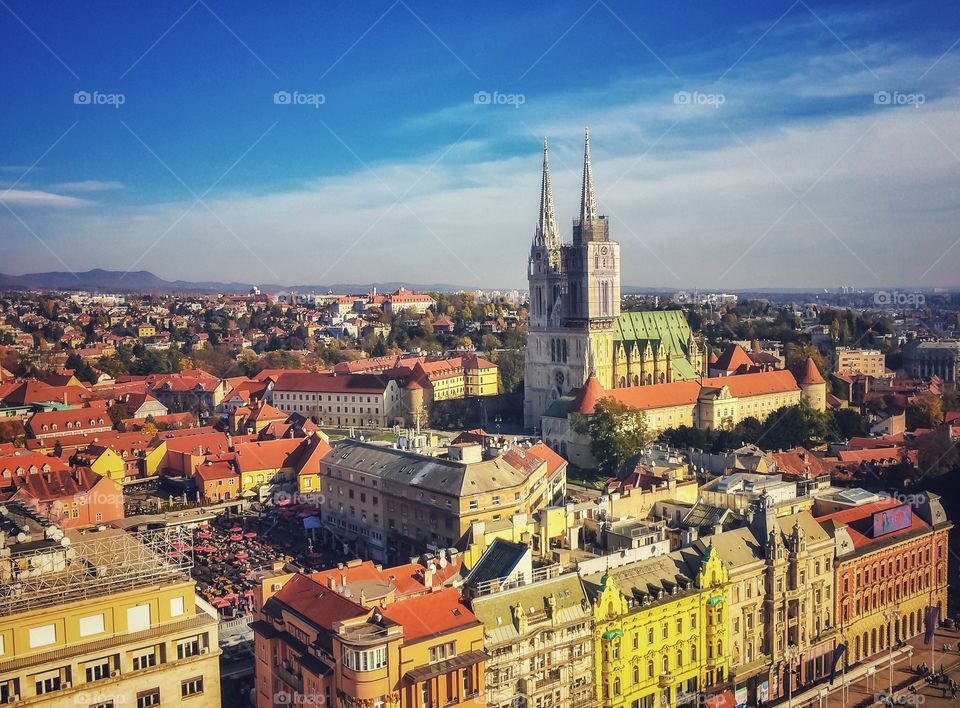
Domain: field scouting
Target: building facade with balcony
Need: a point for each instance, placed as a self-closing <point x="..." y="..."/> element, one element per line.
<point x="315" y="645"/>
<point x="540" y="641"/>
<point x="661" y="630"/>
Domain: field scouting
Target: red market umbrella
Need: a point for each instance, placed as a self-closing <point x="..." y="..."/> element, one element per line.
<point x="243" y="555"/>
<point x="181" y="546"/>
<point x="203" y="534"/>
<point x="236" y="537"/>
<point x="250" y="534"/>
<point x="236" y="529"/>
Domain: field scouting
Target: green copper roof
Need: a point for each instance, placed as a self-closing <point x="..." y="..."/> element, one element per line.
<point x="665" y="327"/>
<point x="658" y="328"/>
<point x="559" y="408"/>
<point x="611" y="634"/>
<point x="682" y="369"/>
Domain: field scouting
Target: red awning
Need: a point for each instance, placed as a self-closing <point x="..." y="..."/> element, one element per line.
<point x="721" y="700"/>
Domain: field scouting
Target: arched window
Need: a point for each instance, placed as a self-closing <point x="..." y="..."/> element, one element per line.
<point x="650" y="668"/>
<point x="679" y="658"/>
<point x="666" y="664"/>
<point x="636" y="674"/>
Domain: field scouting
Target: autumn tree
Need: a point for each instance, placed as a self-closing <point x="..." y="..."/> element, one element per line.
<point x="617" y="433"/>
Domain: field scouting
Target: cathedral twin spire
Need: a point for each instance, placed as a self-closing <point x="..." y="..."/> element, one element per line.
<point x="588" y="200"/>
<point x="547" y="232"/>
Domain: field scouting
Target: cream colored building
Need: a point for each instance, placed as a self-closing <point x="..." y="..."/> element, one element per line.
<point x="539" y="638"/>
<point x="363" y="400"/>
<point x="387" y="504"/>
<point x="102" y="619"/>
<point x="709" y="404"/>
<point x="871" y="362"/>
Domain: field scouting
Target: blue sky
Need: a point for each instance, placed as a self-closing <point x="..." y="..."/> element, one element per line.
<point x="783" y="168"/>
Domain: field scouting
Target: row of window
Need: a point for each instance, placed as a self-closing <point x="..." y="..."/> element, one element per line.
<point x="138" y="619"/>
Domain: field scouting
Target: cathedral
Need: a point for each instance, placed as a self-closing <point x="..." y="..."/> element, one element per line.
<point x="575" y="328"/>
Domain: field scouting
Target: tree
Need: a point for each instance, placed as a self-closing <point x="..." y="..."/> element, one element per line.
<point x="797" y="355"/>
<point x="847" y="423"/>
<point x="117" y="412"/>
<point x="925" y="412"/>
<point x="617" y="433"/>
<point x="510" y="365"/>
<point x="489" y="342"/>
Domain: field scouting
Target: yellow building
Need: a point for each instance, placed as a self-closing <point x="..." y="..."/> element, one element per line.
<point x="104" y="616"/>
<point x="480" y="377"/>
<point x="660" y="630"/>
<point x="127" y="457"/>
<point x="146" y="331"/>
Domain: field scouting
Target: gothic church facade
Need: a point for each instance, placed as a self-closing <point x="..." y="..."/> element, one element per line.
<point x="575" y="328"/>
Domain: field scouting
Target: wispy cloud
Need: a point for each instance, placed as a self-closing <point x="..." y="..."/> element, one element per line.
<point x="39" y="198"/>
<point x="87" y="185"/>
<point x="706" y="190"/>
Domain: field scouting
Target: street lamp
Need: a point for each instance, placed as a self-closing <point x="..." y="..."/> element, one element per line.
<point x="792" y="653"/>
<point x="891" y="615"/>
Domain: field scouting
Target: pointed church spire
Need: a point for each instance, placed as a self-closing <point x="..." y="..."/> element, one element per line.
<point x="588" y="201"/>
<point x="547" y="233"/>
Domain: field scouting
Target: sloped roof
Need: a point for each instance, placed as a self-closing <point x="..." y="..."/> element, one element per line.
<point x="811" y="374"/>
<point x="430" y="614"/>
<point x="732" y="358"/>
<point x="318" y="604"/>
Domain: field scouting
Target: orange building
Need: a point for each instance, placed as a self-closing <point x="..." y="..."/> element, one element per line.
<point x="363" y="636"/>
<point x="891" y="564"/>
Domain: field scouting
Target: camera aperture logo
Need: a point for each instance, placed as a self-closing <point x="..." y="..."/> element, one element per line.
<point x="98" y="98"/>
<point x="299" y="98"/>
<point x="898" y="98"/>
<point x="486" y="98"/>
<point x="699" y="98"/>
<point x="885" y="298"/>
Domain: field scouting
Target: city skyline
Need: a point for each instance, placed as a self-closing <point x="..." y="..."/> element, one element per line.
<point x="407" y="144"/>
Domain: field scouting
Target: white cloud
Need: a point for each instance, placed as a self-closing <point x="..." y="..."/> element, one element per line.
<point x="87" y="185"/>
<point x="39" y="198"/>
<point x="697" y="197"/>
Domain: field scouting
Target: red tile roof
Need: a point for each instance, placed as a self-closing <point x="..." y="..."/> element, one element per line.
<point x="329" y="383"/>
<point x="431" y="614"/>
<point x="733" y="358"/>
<point x="319" y="604"/>
<point x="811" y="374"/>
<point x="268" y="454"/>
<point x="587" y="397"/>
<point x="859" y="522"/>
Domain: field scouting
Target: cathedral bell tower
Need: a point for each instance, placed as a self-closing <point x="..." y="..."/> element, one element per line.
<point x="574" y="299"/>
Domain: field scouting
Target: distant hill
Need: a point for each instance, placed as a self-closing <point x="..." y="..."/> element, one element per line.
<point x="145" y="281"/>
